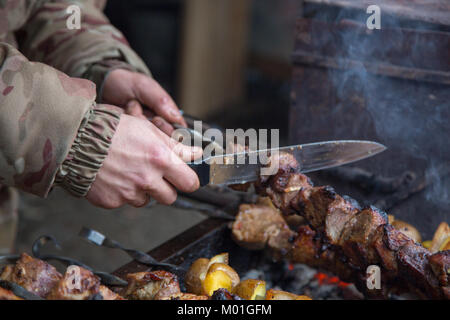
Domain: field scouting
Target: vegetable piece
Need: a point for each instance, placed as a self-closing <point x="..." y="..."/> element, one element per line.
<point x="228" y="270"/>
<point x="215" y="280"/>
<point x="407" y="229"/>
<point x="251" y="289"/>
<point x="195" y="276"/>
<point x="198" y="271"/>
<point x="220" y="258"/>
<point x="427" y="244"/>
<point x="283" y="295"/>
<point x="441" y="238"/>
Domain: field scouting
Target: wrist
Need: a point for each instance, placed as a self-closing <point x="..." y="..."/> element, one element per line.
<point x="89" y="150"/>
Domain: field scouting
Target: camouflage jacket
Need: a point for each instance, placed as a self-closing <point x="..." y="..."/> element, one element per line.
<point x="51" y="129"/>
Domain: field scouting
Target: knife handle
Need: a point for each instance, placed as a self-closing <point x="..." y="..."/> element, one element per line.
<point x="202" y="171"/>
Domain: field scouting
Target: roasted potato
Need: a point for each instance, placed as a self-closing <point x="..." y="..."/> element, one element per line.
<point x="441" y="238"/>
<point x="215" y="280"/>
<point x="427" y="244"/>
<point x="195" y="276"/>
<point x="220" y="258"/>
<point x="391" y="218"/>
<point x="251" y="289"/>
<point x="203" y="275"/>
<point x="228" y="270"/>
<point x="407" y="230"/>
<point x="283" y="295"/>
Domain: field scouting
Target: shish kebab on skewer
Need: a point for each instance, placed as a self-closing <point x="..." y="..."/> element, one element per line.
<point x="340" y="236"/>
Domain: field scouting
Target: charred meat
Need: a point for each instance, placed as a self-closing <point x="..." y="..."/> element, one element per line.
<point x="34" y="275"/>
<point x="155" y="285"/>
<point x="340" y="236"/>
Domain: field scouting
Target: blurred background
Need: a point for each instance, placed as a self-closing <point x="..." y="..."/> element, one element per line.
<point x="217" y="57"/>
<point x="226" y="62"/>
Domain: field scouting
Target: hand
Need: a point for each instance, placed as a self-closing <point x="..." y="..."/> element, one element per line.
<point x="129" y="90"/>
<point x="142" y="162"/>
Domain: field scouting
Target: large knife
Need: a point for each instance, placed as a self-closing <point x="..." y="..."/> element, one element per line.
<point x="217" y="170"/>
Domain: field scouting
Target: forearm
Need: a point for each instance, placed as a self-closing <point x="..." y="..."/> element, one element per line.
<point x="89" y="52"/>
<point x="42" y="113"/>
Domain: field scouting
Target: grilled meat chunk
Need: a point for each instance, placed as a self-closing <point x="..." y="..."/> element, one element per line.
<point x="35" y="275"/>
<point x="357" y="234"/>
<point x="283" y="188"/>
<point x="107" y="294"/>
<point x="257" y="226"/>
<point x="308" y="248"/>
<point x="339" y="214"/>
<point x="155" y="285"/>
<point x="81" y="284"/>
<point x="77" y="284"/>
<point x="440" y="264"/>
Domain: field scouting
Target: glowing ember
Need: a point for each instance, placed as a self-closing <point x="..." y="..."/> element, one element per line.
<point x="323" y="278"/>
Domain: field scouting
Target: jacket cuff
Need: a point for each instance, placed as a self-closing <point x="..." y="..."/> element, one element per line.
<point x="89" y="150"/>
<point x="99" y="71"/>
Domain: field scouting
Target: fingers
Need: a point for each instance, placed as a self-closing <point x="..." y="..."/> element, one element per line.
<point x="186" y="153"/>
<point x="149" y="114"/>
<point x="161" y="191"/>
<point x="163" y="125"/>
<point x="140" y="201"/>
<point x="134" y="108"/>
<point x="181" y="176"/>
<point x="150" y="93"/>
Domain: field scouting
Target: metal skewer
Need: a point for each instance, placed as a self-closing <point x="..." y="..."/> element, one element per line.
<point x="99" y="239"/>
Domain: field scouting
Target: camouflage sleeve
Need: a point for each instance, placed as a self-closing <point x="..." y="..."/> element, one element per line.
<point x="90" y="52"/>
<point x="49" y="127"/>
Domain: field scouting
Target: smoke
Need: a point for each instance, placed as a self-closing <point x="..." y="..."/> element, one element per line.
<point x="407" y="115"/>
<point x="438" y="191"/>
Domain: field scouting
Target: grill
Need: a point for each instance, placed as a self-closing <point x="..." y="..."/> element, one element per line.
<point x="389" y="85"/>
<point x="212" y="236"/>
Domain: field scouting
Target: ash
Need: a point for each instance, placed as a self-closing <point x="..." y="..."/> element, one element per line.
<point x="303" y="280"/>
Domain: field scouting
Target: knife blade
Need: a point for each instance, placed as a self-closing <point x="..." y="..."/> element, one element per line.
<point x="236" y="169"/>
